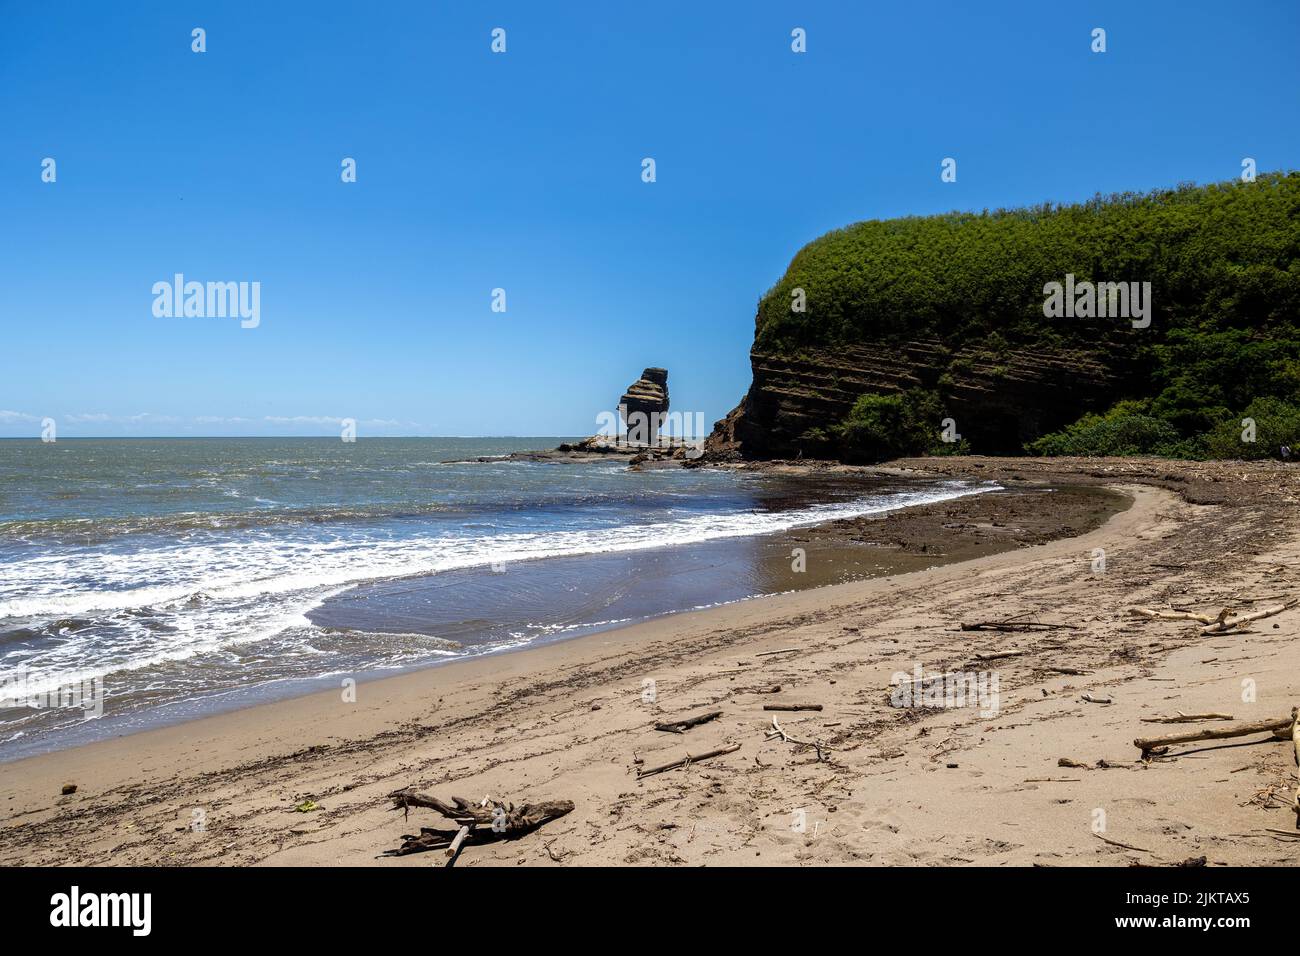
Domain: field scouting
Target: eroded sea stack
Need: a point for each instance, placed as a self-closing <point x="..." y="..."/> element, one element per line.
<point x="644" y="405"/>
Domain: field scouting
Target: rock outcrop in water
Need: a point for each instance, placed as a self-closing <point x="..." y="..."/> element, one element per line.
<point x="644" y="405"/>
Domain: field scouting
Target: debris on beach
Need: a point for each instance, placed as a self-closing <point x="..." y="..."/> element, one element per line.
<point x="792" y="706"/>
<point x="1018" y="623"/>
<point x="1276" y="727"/>
<point x="485" y="822"/>
<point x="778" y="731"/>
<point x="1219" y="623"/>
<point x="686" y="723"/>
<point x="687" y="761"/>
<point x="1181" y="718"/>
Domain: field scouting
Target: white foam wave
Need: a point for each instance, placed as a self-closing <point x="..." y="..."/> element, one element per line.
<point x="260" y="565"/>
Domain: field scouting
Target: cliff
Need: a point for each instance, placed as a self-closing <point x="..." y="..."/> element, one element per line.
<point x="944" y="317"/>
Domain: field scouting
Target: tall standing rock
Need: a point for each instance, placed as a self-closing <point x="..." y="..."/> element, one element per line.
<point x="644" y="405"/>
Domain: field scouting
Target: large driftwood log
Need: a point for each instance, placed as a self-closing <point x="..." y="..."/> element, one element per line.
<point x="1146" y="744"/>
<point x="486" y="822"/>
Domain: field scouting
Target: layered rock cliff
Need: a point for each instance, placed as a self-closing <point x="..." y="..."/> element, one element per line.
<point x="998" y="401"/>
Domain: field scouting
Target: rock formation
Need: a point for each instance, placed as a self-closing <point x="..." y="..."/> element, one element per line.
<point x="999" y="403"/>
<point x="644" y="405"/>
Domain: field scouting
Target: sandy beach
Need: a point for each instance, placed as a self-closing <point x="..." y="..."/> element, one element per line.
<point x="884" y="784"/>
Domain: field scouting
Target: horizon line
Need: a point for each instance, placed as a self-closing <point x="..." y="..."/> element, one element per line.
<point x="37" y="438"/>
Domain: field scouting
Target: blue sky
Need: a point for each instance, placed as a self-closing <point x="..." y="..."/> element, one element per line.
<point x="522" y="171"/>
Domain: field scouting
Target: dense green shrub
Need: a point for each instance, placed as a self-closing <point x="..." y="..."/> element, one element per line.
<point x="1223" y="261"/>
<point x="1124" y="430"/>
<point x="1277" y="424"/>
<point x="880" y="427"/>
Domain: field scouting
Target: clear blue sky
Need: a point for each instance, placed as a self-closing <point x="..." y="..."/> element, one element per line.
<point x="523" y="171"/>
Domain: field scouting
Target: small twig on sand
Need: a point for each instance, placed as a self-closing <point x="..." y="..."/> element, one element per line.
<point x="1118" y="844"/>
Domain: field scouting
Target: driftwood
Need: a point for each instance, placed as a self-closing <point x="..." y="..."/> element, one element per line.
<point x="459" y="841"/>
<point x="1227" y="624"/>
<point x="1163" y="615"/>
<point x="686" y="723"/>
<point x="1146" y="744"/>
<point x="778" y="731"/>
<point x="1295" y="755"/>
<point x="1217" y="623"/>
<point x="1126" y="846"/>
<point x="792" y="706"/>
<point x="1015" y="624"/>
<point x="1181" y="718"/>
<point x="687" y="761"/>
<point x="475" y="823"/>
<point x="784" y="650"/>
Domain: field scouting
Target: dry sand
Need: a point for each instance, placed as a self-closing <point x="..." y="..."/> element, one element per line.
<point x="896" y="785"/>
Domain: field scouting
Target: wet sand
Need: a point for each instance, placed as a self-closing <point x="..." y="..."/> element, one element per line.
<point x="893" y="786"/>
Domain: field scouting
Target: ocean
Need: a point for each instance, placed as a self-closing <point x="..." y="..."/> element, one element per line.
<point x="148" y="581"/>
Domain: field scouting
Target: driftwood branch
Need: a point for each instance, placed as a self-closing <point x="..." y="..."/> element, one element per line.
<point x="687" y="761"/>
<point x="686" y="723"/>
<point x="1164" y="615"/>
<point x="792" y="706"/>
<point x="779" y="731"/>
<point x="1015" y="624"/>
<point x="1146" y="744"/>
<point x="1181" y="718"/>
<point x="1126" y="846"/>
<point x="1228" y="623"/>
<point x="1295" y="755"/>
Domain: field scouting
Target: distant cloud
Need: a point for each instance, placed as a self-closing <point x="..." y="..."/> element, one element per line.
<point x="304" y="420"/>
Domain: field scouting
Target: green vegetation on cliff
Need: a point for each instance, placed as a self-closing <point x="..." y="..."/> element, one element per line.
<point x="1223" y="342"/>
